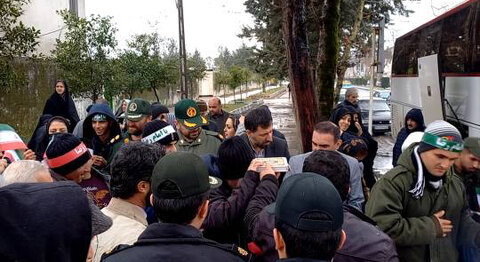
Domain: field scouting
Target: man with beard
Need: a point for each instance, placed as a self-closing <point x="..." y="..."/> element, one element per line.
<point x="467" y="167"/>
<point x="259" y="135"/>
<point x="132" y="169"/>
<point x="139" y="113"/>
<point x="351" y="98"/>
<point x="102" y="134"/>
<point x="413" y="123"/>
<point x="216" y="113"/>
<point x="421" y="203"/>
<point x="193" y="138"/>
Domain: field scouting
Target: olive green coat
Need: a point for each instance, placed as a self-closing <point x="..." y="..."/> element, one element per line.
<point x="410" y="222"/>
<point x="207" y="142"/>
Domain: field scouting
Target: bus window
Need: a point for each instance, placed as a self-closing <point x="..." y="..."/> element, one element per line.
<point x="430" y="37"/>
<point x="399" y="66"/>
<point x="476" y="42"/>
<point x="412" y="54"/>
<point x="455" y="46"/>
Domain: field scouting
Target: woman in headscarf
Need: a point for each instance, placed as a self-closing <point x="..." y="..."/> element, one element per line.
<point x="352" y="144"/>
<point x="357" y="128"/>
<point x="53" y="125"/>
<point x="61" y="104"/>
<point x="120" y="114"/>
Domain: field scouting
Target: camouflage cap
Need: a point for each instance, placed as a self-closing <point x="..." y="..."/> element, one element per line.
<point x="188" y="114"/>
<point x="138" y="108"/>
<point x="473" y="144"/>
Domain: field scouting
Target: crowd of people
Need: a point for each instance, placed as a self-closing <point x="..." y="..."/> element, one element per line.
<point x="147" y="184"/>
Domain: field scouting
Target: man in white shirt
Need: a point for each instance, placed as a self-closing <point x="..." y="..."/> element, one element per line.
<point x="131" y="171"/>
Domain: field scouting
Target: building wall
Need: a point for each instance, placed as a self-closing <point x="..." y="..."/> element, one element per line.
<point x="42" y="14"/>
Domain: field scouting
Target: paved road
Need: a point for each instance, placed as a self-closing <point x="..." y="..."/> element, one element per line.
<point x="284" y="121"/>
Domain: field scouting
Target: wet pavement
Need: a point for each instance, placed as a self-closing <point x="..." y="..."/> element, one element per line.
<point x="383" y="160"/>
<point x="284" y="121"/>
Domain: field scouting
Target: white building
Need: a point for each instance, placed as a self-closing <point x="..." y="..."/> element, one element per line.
<point x="42" y="14"/>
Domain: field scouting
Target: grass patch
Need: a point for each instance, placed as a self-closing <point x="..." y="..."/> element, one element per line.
<point x="263" y="95"/>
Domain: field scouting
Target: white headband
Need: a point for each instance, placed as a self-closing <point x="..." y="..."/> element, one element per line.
<point x="158" y="135"/>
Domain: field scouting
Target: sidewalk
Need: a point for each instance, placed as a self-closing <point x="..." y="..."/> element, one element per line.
<point x="284" y="121"/>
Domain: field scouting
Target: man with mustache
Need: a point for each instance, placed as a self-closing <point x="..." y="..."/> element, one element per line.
<point x="413" y="123"/>
<point x="193" y="138"/>
<point x="421" y="203"/>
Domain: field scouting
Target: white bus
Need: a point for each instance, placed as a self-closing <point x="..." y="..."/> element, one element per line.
<point x="436" y="68"/>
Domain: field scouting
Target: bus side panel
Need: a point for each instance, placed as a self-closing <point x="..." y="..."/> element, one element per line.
<point x="463" y="93"/>
<point x="429" y="85"/>
<point x="405" y="96"/>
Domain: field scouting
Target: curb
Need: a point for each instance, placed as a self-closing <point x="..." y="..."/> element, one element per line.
<point x="252" y="105"/>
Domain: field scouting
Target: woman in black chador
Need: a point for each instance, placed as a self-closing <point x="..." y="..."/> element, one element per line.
<point x="61" y="103"/>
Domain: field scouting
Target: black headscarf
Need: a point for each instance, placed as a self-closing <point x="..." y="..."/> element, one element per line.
<point x="39" y="141"/>
<point x="62" y="105"/>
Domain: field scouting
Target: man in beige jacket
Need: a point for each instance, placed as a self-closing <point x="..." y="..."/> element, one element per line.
<point x="131" y="171"/>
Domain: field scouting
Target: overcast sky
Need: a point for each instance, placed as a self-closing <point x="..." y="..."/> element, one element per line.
<point x="213" y="23"/>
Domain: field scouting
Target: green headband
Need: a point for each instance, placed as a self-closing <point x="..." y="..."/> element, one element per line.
<point x="442" y="142"/>
<point x="99" y="117"/>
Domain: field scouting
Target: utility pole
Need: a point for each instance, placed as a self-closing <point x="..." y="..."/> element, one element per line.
<point x="183" y="54"/>
<point x="372" y="80"/>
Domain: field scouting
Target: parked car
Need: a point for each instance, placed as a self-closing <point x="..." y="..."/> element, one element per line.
<point x="382" y="115"/>
<point x="383" y="93"/>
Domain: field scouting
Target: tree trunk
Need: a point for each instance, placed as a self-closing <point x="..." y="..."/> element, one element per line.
<point x="154" y="89"/>
<point x="234" y="100"/>
<point x="327" y="56"/>
<point x="241" y="99"/>
<point x="224" y="94"/>
<point x="343" y="63"/>
<point x="299" y="69"/>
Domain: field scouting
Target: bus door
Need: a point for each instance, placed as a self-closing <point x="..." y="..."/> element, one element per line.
<point x="429" y="83"/>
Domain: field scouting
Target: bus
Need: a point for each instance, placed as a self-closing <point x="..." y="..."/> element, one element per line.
<point x="436" y="68"/>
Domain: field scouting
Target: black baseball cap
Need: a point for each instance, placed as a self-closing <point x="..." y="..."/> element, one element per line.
<point x="186" y="171"/>
<point x="303" y="195"/>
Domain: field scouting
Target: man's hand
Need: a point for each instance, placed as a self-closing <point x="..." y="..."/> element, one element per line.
<point x="445" y="224"/>
<point x="3" y="165"/>
<point x="255" y="164"/>
<point x="241" y="120"/>
<point x="359" y="128"/>
<point x="99" y="161"/>
<point x="268" y="170"/>
<point x="29" y="155"/>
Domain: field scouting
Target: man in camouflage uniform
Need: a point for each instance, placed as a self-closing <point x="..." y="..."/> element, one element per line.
<point x="189" y="124"/>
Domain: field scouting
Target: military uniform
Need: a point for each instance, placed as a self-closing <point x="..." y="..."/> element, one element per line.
<point x="206" y="143"/>
<point x="176" y="243"/>
<point x="188" y="114"/>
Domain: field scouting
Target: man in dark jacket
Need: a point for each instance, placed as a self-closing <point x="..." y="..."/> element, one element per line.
<point x="467" y="167"/>
<point x="351" y="98"/>
<point x="216" y="114"/>
<point x="228" y="203"/>
<point x="69" y="159"/>
<point x="421" y="203"/>
<point x="101" y="133"/>
<point x="307" y="229"/>
<point x="180" y="189"/>
<point x="259" y="135"/>
<point x="365" y="241"/>
<point x="413" y="123"/>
